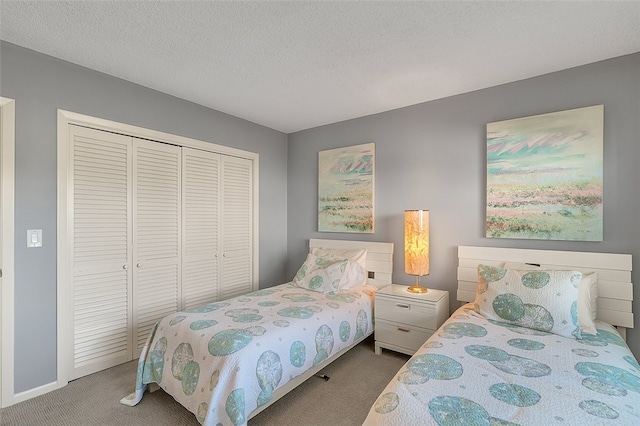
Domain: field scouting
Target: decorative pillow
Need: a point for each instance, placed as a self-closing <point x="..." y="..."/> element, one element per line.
<point x="587" y="294"/>
<point x="358" y="256"/>
<point x="321" y="274"/>
<point x="536" y="299"/>
<point x="587" y="301"/>
<point x="356" y="275"/>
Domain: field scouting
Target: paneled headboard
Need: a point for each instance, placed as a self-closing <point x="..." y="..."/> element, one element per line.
<point x="379" y="257"/>
<point x="615" y="290"/>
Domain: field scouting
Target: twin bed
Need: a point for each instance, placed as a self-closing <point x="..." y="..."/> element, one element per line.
<point x="227" y="361"/>
<point x="513" y="364"/>
<point x="523" y="352"/>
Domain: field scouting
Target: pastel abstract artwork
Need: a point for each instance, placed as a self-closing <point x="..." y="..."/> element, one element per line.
<point x="544" y="176"/>
<point x="345" y="189"/>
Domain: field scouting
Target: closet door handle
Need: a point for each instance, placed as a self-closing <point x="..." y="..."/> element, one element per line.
<point x="139" y="265"/>
<point x="125" y="266"/>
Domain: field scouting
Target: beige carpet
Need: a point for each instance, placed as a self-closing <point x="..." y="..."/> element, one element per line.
<point x="356" y="379"/>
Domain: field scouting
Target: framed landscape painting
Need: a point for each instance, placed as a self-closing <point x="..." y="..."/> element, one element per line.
<point x="345" y="189"/>
<point x="544" y="176"/>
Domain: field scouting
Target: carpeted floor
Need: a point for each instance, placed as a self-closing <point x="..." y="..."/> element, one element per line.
<point x="356" y="380"/>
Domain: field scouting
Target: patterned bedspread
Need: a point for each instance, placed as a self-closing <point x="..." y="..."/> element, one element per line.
<point x="223" y="360"/>
<point x="477" y="372"/>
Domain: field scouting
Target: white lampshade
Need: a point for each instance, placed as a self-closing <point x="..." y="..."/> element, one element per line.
<point x="416" y="243"/>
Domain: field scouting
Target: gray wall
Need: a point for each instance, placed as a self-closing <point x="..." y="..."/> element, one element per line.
<point x="433" y="156"/>
<point x="40" y="85"/>
<point x="429" y="156"/>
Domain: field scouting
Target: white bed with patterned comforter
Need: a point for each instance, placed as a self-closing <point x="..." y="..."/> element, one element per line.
<point x="228" y="360"/>
<point x="524" y="352"/>
<point x="474" y="371"/>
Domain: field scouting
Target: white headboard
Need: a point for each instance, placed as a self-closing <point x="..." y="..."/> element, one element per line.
<point x="379" y="257"/>
<point x="615" y="290"/>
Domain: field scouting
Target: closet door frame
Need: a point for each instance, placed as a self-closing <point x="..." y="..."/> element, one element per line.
<point x="67" y="118"/>
<point x="7" y="157"/>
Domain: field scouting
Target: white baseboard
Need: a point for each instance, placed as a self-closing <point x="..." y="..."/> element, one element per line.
<point x="32" y="393"/>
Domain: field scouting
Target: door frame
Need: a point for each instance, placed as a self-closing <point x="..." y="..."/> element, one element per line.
<point x="7" y="157"/>
<point x="64" y="221"/>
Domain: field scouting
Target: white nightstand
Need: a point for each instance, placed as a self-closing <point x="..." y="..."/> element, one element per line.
<point x="404" y="321"/>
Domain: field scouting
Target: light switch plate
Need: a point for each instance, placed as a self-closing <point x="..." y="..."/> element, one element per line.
<point x="34" y="237"/>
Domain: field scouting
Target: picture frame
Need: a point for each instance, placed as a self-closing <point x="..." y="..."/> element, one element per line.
<point x="545" y="176"/>
<point x="346" y="189"/>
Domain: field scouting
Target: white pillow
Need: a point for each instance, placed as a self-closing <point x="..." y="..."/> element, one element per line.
<point x="356" y="275"/>
<point x="587" y="300"/>
<point x="322" y="274"/>
<point x="536" y="299"/>
<point x="587" y="294"/>
<point x="355" y="255"/>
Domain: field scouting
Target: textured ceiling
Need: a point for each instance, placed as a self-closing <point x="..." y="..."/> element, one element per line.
<point x="296" y="65"/>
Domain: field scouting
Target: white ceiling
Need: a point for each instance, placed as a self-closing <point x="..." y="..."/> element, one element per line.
<point x="297" y="65"/>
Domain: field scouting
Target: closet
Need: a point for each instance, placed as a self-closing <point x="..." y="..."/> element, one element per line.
<point x="153" y="228"/>
<point x="217" y="209"/>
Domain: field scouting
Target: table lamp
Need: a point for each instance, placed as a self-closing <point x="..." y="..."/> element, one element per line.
<point x="416" y="246"/>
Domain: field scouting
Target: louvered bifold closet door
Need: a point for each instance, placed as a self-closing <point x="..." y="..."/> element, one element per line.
<point x="201" y="220"/>
<point x="101" y="225"/>
<point x="237" y="226"/>
<point x="157" y="238"/>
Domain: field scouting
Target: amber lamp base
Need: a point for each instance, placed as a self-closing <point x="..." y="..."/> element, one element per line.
<point x="417" y="289"/>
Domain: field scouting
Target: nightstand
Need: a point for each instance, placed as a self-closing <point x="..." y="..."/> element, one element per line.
<point x="404" y="321"/>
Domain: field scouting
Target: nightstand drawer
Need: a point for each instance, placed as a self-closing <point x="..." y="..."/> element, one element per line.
<point x="401" y="335"/>
<point x="407" y="312"/>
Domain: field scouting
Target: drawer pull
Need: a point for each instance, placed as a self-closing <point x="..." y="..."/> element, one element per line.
<point x="400" y="305"/>
<point x="404" y="330"/>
